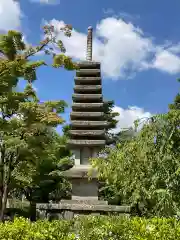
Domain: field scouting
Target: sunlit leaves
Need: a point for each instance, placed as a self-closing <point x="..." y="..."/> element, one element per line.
<point x="27" y="140"/>
<point x="144" y="171"/>
<point x="14" y="53"/>
<point x="63" y="61"/>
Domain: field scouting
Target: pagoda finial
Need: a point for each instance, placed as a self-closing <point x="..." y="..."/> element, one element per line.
<point x="89" y="44"/>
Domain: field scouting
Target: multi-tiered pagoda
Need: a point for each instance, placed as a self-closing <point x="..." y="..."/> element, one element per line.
<point x="87" y="109"/>
<point x="87" y="132"/>
<point x="87" y="135"/>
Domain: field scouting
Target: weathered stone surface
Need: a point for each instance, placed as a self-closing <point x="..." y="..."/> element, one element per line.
<point x="84" y="189"/>
<point x="89" y="80"/>
<point x="87" y="88"/>
<point x="80" y="172"/>
<point x="89" y="64"/>
<point x="85" y="207"/>
<point x="87" y="106"/>
<point x="82" y="143"/>
<point x="89" y="44"/>
<point x="97" y="202"/>
<point x="87" y="132"/>
<point x="86" y="115"/>
<point x="89" y="72"/>
<point x="100" y="124"/>
<point x="87" y="97"/>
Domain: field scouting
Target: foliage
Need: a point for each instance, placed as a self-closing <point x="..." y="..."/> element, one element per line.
<point x="25" y="122"/>
<point x="15" y="54"/>
<point x="113" y="137"/>
<point x="110" y="118"/>
<point x="92" y="228"/>
<point x="44" y="180"/>
<point x="66" y="130"/>
<point x="125" y="135"/>
<point x="144" y="172"/>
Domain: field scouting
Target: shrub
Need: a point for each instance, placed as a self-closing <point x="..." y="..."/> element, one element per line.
<point x="92" y="227"/>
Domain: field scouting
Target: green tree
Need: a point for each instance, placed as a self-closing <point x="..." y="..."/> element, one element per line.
<point x="114" y="136"/>
<point x="176" y="103"/>
<point x="41" y="180"/>
<point x="23" y="118"/>
<point x="144" y="172"/>
<point x="126" y="135"/>
<point x="110" y="117"/>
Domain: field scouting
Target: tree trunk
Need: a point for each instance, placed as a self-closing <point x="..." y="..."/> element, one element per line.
<point x="1" y="193"/>
<point x="32" y="211"/>
<point x="6" y="180"/>
<point x="4" y="202"/>
<point x="2" y="153"/>
<point x="32" y="208"/>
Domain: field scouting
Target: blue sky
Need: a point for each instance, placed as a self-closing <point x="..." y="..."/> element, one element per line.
<point x="140" y="57"/>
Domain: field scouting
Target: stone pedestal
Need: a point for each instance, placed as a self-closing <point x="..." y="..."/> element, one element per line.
<point x="83" y="188"/>
<point x="68" y="209"/>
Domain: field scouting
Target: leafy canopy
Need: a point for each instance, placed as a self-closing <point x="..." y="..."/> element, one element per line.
<point x="145" y="170"/>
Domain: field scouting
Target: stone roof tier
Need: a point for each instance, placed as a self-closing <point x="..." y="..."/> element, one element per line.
<point x="73" y="143"/>
<point x="87" y="106"/>
<point x="87" y="80"/>
<point x="89" y="124"/>
<point x="82" y="115"/>
<point x="99" y="133"/>
<point x="88" y="89"/>
<point x="89" y="65"/>
<point x="87" y="97"/>
<point x="88" y="72"/>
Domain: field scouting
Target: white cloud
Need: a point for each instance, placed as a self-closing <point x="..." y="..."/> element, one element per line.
<point x="121" y="48"/>
<point x="167" y="62"/>
<point x="10" y="15"/>
<point x="127" y="116"/>
<point x="174" y="48"/>
<point x="118" y="45"/>
<point x="50" y="2"/>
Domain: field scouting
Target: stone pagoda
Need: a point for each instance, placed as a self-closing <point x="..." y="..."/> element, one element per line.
<point x="87" y="134"/>
<point x="87" y="138"/>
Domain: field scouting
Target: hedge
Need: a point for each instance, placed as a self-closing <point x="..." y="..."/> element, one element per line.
<point x="92" y="227"/>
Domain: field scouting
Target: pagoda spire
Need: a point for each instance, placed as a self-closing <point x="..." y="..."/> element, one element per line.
<point x="89" y="44"/>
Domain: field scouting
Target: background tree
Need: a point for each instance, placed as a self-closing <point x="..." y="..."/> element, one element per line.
<point x="176" y="104"/>
<point x="144" y="172"/>
<point x="41" y="180"/>
<point x="110" y="116"/>
<point x="113" y="135"/>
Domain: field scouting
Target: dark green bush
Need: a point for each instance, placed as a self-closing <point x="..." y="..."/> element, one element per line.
<point x="92" y="228"/>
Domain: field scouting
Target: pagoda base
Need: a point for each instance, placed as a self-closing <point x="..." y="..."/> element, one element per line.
<point x="84" y="200"/>
<point x="68" y="209"/>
